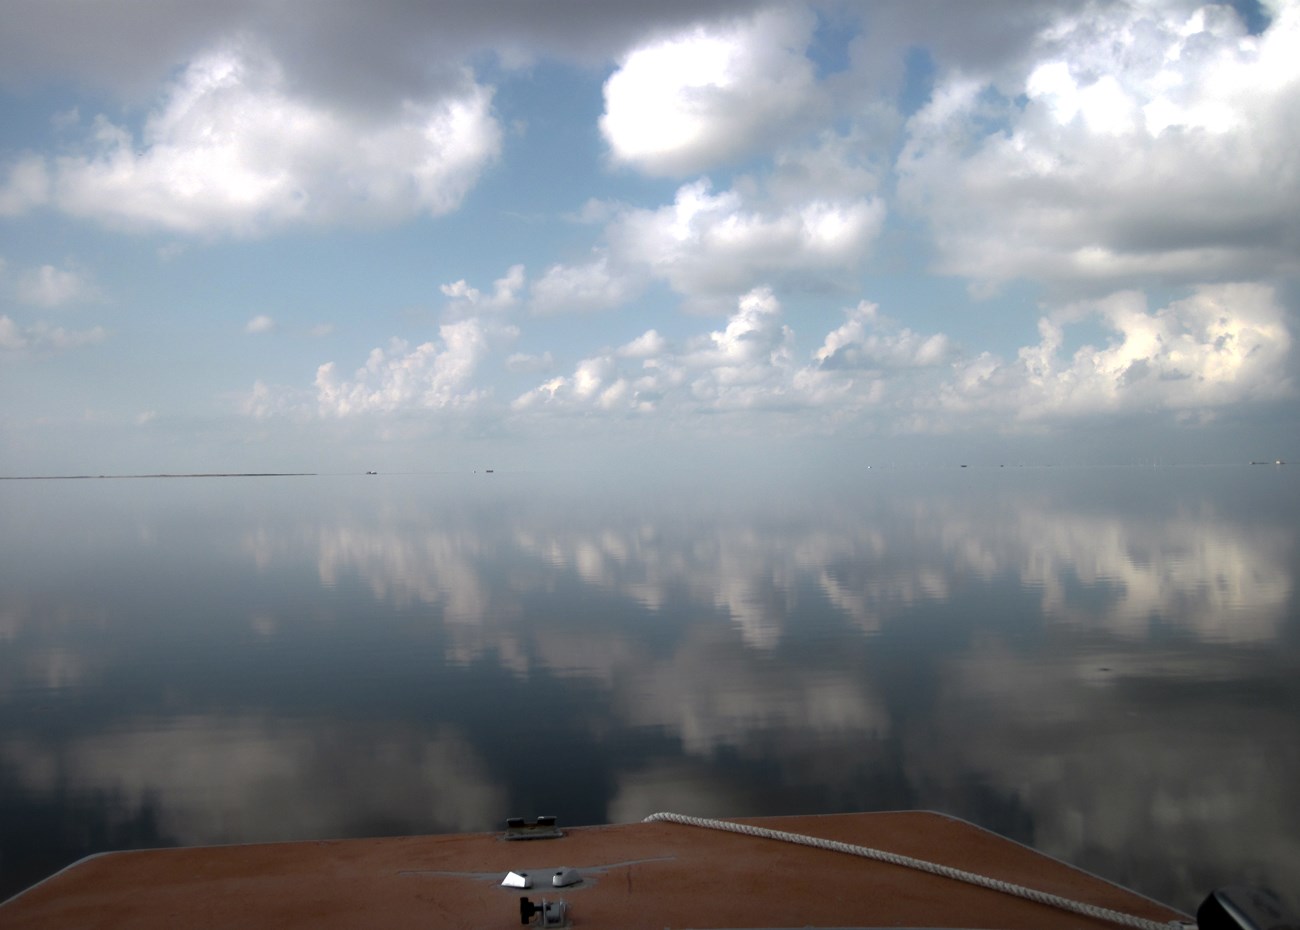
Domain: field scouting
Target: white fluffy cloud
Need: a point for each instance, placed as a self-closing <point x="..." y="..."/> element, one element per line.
<point x="1225" y="344"/>
<point x="429" y="376"/>
<point x="647" y="345"/>
<point x="1220" y="347"/>
<point x="1151" y="142"/>
<point x="1102" y="149"/>
<point x="711" y="93"/>
<point x="867" y="340"/>
<point x="809" y="221"/>
<point x="467" y="300"/>
<point x="583" y="288"/>
<point x="234" y="147"/>
<point x="748" y="364"/>
<point x="706" y="244"/>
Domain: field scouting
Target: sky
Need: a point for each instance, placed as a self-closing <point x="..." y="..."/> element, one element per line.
<point x="292" y="235"/>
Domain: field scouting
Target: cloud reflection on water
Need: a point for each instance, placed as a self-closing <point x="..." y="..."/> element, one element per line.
<point x="1163" y="771"/>
<point x="1211" y="576"/>
<point x="1109" y="678"/>
<point x="252" y="779"/>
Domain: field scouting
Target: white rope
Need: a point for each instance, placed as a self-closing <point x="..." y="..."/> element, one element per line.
<point x="934" y="868"/>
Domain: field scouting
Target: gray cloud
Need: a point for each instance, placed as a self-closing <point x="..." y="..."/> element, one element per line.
<point x="365" y="53"/>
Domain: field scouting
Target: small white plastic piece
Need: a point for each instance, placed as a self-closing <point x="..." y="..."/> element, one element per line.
<point x="517" y="880"/>
<point x="563" y="878"/>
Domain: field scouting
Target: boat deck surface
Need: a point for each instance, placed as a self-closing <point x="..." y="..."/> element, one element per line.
<point x="651" y="875"/>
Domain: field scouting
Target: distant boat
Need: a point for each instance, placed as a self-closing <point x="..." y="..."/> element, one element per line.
<point x="372" y="473"/>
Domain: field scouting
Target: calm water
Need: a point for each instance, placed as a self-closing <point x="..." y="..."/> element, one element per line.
<point x="1102" y="663"/>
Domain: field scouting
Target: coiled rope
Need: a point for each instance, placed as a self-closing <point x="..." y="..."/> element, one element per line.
<point x="934" y="868"/>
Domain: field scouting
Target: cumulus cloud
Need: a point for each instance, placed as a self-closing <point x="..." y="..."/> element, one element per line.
<point x="1173" y="160"/>
<point x="26" y="185"/>
<point x="234" y="147"/>
<point x="1220" y="347"/>
<point x="810" y="221"/>
<point x="748" y="363"/>
<point x="582" y="288"/>
<point x="49" y="287"/>
<point x="754" y="342"/>
<point x="834" y="166"/>
<point x="505" y="293"/>
<point x="753" y="364"/>
<point x="706" y="244"/>
<point x="430" y="376"/>
<point x="990" y="38"/>
<point x="711" y="93"/>
<point x="435" y="375"/>
<point x="1225" y="344"/>
<point x="647" y="345"/>
<point x="868" y="340"/>
<point x="264" y="400"/>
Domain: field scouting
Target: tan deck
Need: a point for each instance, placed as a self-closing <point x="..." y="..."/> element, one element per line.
<point x="652" y="875"/>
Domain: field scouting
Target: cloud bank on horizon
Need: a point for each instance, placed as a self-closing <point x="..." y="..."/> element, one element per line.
<point x="709" y="218"/>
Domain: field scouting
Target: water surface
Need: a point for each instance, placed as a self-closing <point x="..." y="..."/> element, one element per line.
<point x="1101" y="663"/>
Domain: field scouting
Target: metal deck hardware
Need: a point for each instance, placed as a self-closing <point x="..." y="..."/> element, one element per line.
<point x="548" y="913"/>
<point x="543" y="828"/>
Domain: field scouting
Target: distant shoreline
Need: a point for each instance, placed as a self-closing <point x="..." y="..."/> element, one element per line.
<point x="204" y="474"/>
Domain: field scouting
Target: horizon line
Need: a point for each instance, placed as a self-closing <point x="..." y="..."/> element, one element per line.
<point x="207" y="474"/>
